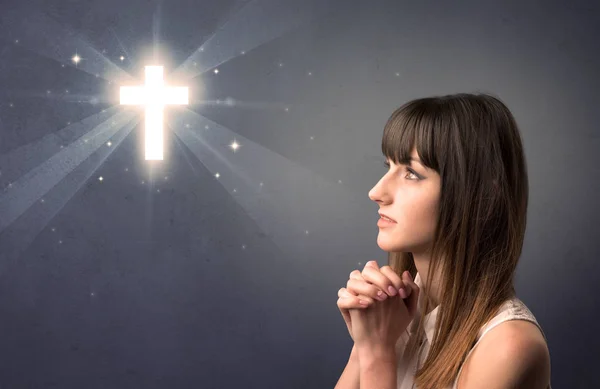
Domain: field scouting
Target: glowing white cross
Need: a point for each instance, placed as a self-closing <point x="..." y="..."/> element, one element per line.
<point x="154" y="95"/>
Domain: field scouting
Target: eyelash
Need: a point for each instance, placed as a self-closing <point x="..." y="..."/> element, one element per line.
<point x="387" y="165"/>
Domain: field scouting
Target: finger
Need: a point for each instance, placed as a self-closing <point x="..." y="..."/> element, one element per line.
<point x="381" y="281"/>
<point x="361" y="287"/>
<point x="356" y="275"/>
<point x="352" y="303"/>
<point x="394" y="278"/>
<point x="344" y="293"/>
<point x="413" y="299"/>
<point x="373" y="264"/>
<point x="405" y="291"/>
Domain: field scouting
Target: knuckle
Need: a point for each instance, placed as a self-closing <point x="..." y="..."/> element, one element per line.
<point x="373" y="290"/>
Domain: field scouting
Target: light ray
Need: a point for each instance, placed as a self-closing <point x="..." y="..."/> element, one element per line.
<point x="257" y="23"/>
<point x="31" y="182"/>
<point x="283" y="198"/>
<point x="57" y="179"/>
<point x="44" y="36"/>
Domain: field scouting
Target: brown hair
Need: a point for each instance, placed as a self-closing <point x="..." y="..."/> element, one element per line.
<point x="473" y="142"/>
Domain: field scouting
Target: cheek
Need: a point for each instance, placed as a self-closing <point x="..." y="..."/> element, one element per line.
<point x="415" y="227"/>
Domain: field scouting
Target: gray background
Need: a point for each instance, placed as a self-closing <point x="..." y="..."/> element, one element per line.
<point x="172" y="284"/>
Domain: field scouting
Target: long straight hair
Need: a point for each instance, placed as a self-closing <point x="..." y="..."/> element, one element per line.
<point x="473" y="142"/>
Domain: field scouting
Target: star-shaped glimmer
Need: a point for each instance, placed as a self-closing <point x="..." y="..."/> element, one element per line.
<point x="76" y="59"/>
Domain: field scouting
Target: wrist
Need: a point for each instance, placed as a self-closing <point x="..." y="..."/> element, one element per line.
<point x="375" y="354"/>
<point x="354" y="354"/>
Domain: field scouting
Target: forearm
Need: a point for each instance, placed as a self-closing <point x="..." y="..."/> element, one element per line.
<point x="377" y="368"/>
<point x="350" y="378"/>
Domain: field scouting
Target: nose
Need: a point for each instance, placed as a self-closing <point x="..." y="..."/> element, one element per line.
<point x="375" y="194"/>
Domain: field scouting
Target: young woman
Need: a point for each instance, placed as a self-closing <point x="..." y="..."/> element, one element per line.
<point x="453" y="206"/>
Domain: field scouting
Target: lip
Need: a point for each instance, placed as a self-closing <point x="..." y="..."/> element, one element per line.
<point x="383" y="214"/>
<point x="385" y="223"/>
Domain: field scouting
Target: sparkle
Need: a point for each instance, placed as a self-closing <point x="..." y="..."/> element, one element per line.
<point x="53" y="229"/>
<point x="100" y="178"/>
<point x="16" y="41"/>
<point x="60" y="242"/>
<point x="109" y="143"/>
<point x="202" y="49"/>
<point x="216" y="71"/>
<point x="243" y="52"/>
<point x="312" y="138"/>
<point x="397" y="74"/>
<point x="126" y="169"/>
<point x="217" y="175"/>
<point x="340" y="181"/>
<point x="306" y="232"/>
<point x="63" y="65"/>
<point x="235" y="145"/>
<point x="48" y="92"/>
<point x="166" y="177"/>
<point x="11" y="105"/>
<point x="158" y="190"/>
<point x="206" y="127"/>
<point x="68" y="123"/>
<point x="142" y="182"/>
<point x="66" y="91"/>
<point x="234" y="190"/>
<point x="287" y="109"/>
<point x="310" y="73"/>
<point x="76" y="59"/>
<point x="122" y="58"/>
<point x="187" y="125"/>
<point x="92" y="294"/>
<point x="244" y="247"/>
<point x="261" y="184"/>
<point x="43" y="201"/>
<point x="280" y="64"/>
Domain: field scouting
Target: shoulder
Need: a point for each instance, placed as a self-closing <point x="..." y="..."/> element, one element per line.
<point x="514" y="354"/>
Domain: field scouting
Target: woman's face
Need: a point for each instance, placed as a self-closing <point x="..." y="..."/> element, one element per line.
<point x="408" y="194"/>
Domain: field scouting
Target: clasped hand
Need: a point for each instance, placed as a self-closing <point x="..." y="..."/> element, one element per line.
<point x="387" y="313"/>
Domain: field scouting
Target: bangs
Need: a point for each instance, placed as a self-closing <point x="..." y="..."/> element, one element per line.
<point x="412" y="126"/>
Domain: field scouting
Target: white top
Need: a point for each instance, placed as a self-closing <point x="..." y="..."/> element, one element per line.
<point x="513" y="309"/>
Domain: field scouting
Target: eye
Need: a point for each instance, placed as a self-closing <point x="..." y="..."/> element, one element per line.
<point x="408" y="170"/>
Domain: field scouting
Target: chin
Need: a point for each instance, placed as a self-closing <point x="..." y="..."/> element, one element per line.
<point x="396" y="243"/>
<point x="390" y="244"/>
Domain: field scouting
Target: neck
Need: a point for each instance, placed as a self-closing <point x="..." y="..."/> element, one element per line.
<point x="422" y="262"/>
